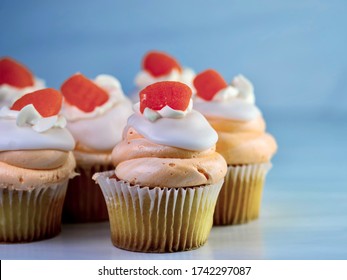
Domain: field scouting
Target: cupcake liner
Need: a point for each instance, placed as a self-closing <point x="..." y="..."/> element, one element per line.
<point x="158" y="219"/>
<point x="84" y="201"/>
<point x="240" y="197"/>
<point x="29" y="215"/>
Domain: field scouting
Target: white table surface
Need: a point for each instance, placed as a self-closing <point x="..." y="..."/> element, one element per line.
<point x="304" y="209"/>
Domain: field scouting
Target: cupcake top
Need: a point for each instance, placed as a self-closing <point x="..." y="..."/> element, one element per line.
<point x="215" y="98"/>
<point x="231" y="110"/>
<point x="15" y="81"/>
<point x="35" y="147"/>
<point x="159" y="66"/>
<point x="96" y="111"/>
<point x="166" y="143"/>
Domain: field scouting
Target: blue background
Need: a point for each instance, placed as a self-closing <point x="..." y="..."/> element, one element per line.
<point x="293" y="51"/>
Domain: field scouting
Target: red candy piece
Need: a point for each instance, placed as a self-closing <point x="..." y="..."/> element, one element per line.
<point x="15" y="74"/>
<point x="174" y="94"/>
<point x="46" y="101"/>
<point x="83" y="93"/>
<point x="159" y="63"/>
<point x="208" y="83"/>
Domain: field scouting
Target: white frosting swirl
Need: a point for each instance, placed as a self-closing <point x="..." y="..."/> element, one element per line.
<point x="102" y="128"/>
<point x="107" y="82"/>
<point x="9" y="94"/>
<point x="226" y="94"/>
<point x="102" y="132"/>
<point x="28" y="130"/>
<point x="234" y="109"/>
<point x="165" y="112"/>
<point x="245" y="88"/>
<point x="235" y="102"/>
<point x="29" y="116"/>
<point x="192" y="132"/>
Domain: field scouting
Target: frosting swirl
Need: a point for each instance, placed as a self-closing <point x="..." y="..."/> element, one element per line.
<point x="243" y="142"/>
<point x="244" y="87"/>
<point x="24" y="178"/>
<point x="140" y="161"/>
<point x="238" y="122"/>
<point x="32" y="133"/>
<point x="165" y="112"/>
<point x="233" y="109"/>
<point x="101" y="129"/>
<point x="35" y="150"/>
<point x="192" y="132"/>
<point x="246" y="147"/>
<point x="234" y="102"/>
<point x="35" y="159"/>
<point x="177" y="149"/>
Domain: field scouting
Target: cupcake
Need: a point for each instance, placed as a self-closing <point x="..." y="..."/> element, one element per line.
<point x="36" y="163"/>
<point x="159" y="66"/>
<point x="96" y="112"/>
<point x="242" y="141"/>
<point x="162" y="193"/>
<point x="15" y="81"/>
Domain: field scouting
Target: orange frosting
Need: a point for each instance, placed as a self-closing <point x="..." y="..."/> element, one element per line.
<point x="35" y="159"/>
<point x="13" y="177"/>
<point x="243" y="142"/>
<point x="139" y="161"/>
<point x="232" y="126"/>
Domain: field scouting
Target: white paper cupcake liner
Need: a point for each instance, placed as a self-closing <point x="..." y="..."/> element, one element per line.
<point x="84" y="201"/>
<point x="158" y="219"/>
<point x="239" y="200"/>
<point x="29" y="215"/>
